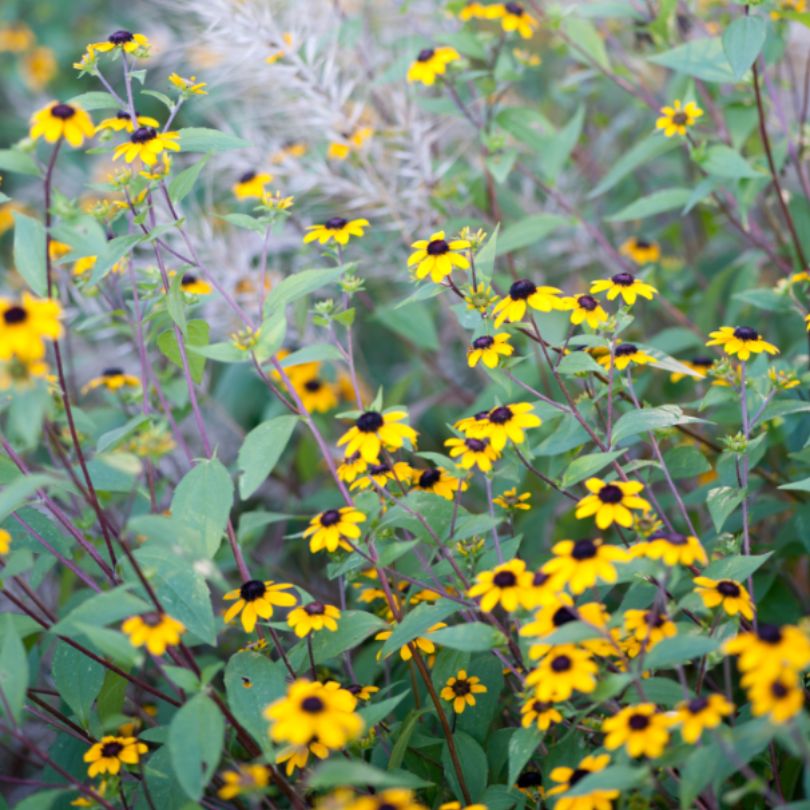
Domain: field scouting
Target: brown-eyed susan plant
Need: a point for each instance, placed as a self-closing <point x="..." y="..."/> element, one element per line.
<point x="403" y="406"/>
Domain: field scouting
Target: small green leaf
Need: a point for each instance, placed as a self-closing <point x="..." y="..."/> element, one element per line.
<point x="417" y="622"/>
<point x="529" y="230"/>
<point x="182" y="184"/>
<point x="261" y="450"/>
<point x="474" y="766"/>
<point x="586" y="466"/>
<point x="300" y="284"/>
<point x="742" y="42"/>
<point x="18" y="162"/>
<point x="201" y="139"/>
<point x="702" y="58"/>
<point x="13" y="670"/>
<point x="348" y="773"/>
<point x="522" y="744"/>
<point x="656" y="203"/>
<point x="646" y="419"/>
<point x="197" y="335"/>
<point x="722" y="501"/>
<point x="29" y="252"/>
<point x="78" y="680"/>
<point x="472" y="637"/>
<point x="679" y="649"/>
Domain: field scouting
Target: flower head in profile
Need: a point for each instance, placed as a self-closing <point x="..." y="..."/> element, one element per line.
<point x="313" y="710"/>
<point x="625" y="285"/>
<point x="625" y="354"/>
<point x="473" y="453"/>
<point x="675" y="120"/>
<point x="438" y="481"/>
<point x="524" y="294"/>
<point x="700" y="364"/>
<point x="26" y="325"/>
<point x="565" y="669"/>
<point x="508" y="585"/>
<point x="430" y="63"/>
<point x="648" y="627"/>
<point x="461" y="689"/>
<point x="331" y="529"/>
<point x="194" y="285"/>
<point x="297" y="756"/>
<point x="188" y="86"/>
<point x="742" y="341"/>
<point x="110" y="753"/>
<point x="488" y="349"/>
<point x="641" y="729"/>
<point x="641" y="251"/>
<point x="312" y="617"/>
<point x="506" y="423"/>
<point x="400" y="473"/>
<point x="337" y="229"/>
<point x="672" y="548"/>
<point x="770" y="647"/>
<point x="391" y="799"/>
<point x="155" y="631"/>
<point x="513" y="17"/>
<point x="586" y="309"/>
<point x="699" y="713"/>
<point x="251" y="185"/>
<point x="437" y="257"/>
<point x="729" y="594"/>
<point x="610" y="503"/>
<point x="419" y="644"/>
<point x="510" y="499"/>
<point x="567" y="778"/>
<point x="126" y="41"/>
<point x="59" y="120"/>
<point x="582" y="563"/>
<point x="373" y="431"/>
<point x="244" y="780"/>
<point x="122" y="122"/>
<point x="779" y="696"/>
<point x="256" y="599"/>
<point x="473" y="11"/>
<point x="146" y="144"/>
<point x="539" y="714"/>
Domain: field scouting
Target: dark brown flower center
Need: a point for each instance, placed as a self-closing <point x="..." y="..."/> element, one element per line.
<point x="539" y="706"/>
<point x="335" y="223"/>
<point x="152" y="619"/>
<point x="643" y="244"/>
<point x="746" y="333"/>
<point x="123" y="115"/>
<point x="638" y="722"/>
<point x="438" y="247"/>
<point x="252" y="590"/>
<point x="522" y="289"/>
<point x="500" y="415"/>
<point x="247" y="176"/>
<point x="370" y="421"/>
<point x="330" y="517"/>
<point x="703" y="362"/>
<point x="779" y="690"/>
<point x="476" y="445"/>
<point x="111" y="749"/>
<point x="379" y="469"/>
<point x="578" y="775"/>
<point x="121" y="37"/>
<point x="114" y="371"/>
<point x="540" y="578"/>
<point x="514" y="8"/>
<point x="483" y="342"/>
<point x="655" y="619"/>
<point x="504" y="579"/>
<point x="610" y="493"/>
<point x="15" y="315"/>
<point x="563" y="615"/>
<point x="425" y="55"/>
<point x="680" y="118"/>
<point x="529" y="779"/>
<point x="63" y="111"/>
<point x="769" y="633"/>
<point x="673" y="538"/>
<point x="587" y="302"/>
<point x="312" y="705"/>
<point x="188" y="279"/>
<point x="461" y="687"/>
<point x="315" y="608"/>
<point x="561" y="663"/>
<point x="313" y="386"/>
<point x="697" y="705"/>
<point x="625" y="349"/>
<point x="584" y="550"/>
<point x="143" y="135"/>
<point x="623" y="279"/>
<point x="728" y="588"/>
<point x="429" y="478"/>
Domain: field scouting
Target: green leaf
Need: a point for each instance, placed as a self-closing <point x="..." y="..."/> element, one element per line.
<point x="800" y="486"/>
<point x="417" y="622"/>
<point x="100" y="609"/>
<point x="643" y="152"/>
<point x="485" y="258"/>
<point x="557" y="149"/>
<point x="18" y="162"/>
<point x="472" y="637"/>
<point x="246" y="222"/>
<point x="29" y="252"/>
<point x="529" y="230"/>
<point x="406" y="732"/>
<point x="702" y="58"/>
<point x="78" y="680"/>
<point x="354" y="627"/>
<point x="375" y="713"/>
<point x="196" y="734"/>
<point x="656" y="203"/>
<point x="300" y="284"/>
<point x="586" y="466"/>
<point x="474" y="766"/>
<point x="13" y="670"/>
<point x="522" y="744"/>
<point x="201" y="139"/>
<point x="203" y="501"/>
<point x="679" y="649"/>
<point x="588" y="39"/>
<point x="348" y="773"/>
<point x="196" y="335"/>
<point x="722" y="501"/>
<point x="15" y="494"/>
<point x="616" y="777"/>
<point x="413" y="323"/>
<point x="182" y="184"/>
<point x="95" y="100"/>
<point x="578" y="363"/>
<point x="646" y="419"/>
<point x="738" y="567"/>
<point x="742" y="42"/>
<point x="261" y="450"/>
<point x="723" y="161"/>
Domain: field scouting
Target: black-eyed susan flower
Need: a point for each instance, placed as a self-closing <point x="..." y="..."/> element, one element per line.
<point x="488" y="349"/>
<point x="675" y="120"/>
<point x="110" y="753"/>
<point x="317" y="395"/>
<point x="780" y="696"/>
<point x="479" y="297"/>
<point x="26" y="325"/>
<point x="245" y="779"/>
<point x="783" y="380"/>
<point x="251" y="185"/>
<point x="113" y="379"/>
<point x="475" y="425"/>
<point x="136" y="44"/>
<point x="694" y="716"/>
<point x="610" y="503"/>
<point x="510" y="499"/>
<point x="565" y="669"/>
<point x="508" y="422"/>
<point x="471" y="453"/>
<point x="16" y="38"/>
<point x="430" y="63"/>
<point x="539" y="714"/>
<point x="568" y="778"/>
<point x="648" y="627"/>
<point x="421" y="643"/>
<point x="373" y="431"/>
<point x="770" y="647"/>
<point x="337" y="229"/>
<point x="438" y="481"/>
<point x="623" y="355"/>
<point x="544" y="590"/>
<point x="701" y="365"/>
<point x="641" y="251"/>
<point x="582" y="563"/>
<point x="400" y="473"/>
<point x="459" y="806"/>
<point x="351" y="467"/>
<point x="122" y="122"/>
<point x="729" y="594"/>
<point x="59" y="120"/>
<point x="155" y="631"/>
<point x="625" y="285"/>
<point x="513" y="17"/>
<point x="331" y="529"/>
<point x="557" y="610"/>
<point x="641" y="729"/>
<point x="473" y="11"/>
<point x="348" y="143"/>
<point x="436" y="257"/>
<point x="530" y="783"/>
<point x="362" y="692"/>
<point x="461" y="689"/>
<point x="586" y="309"/>
<point x="194" y="285"/>
<point x="672" y="548"/>
<point x="5" y="541"/>
<point x="256" y="599"/>
<point x="522" y="294"/>
<point x="312" y="617"/>
<point x="188" y="86"/>
<point x="391" y="799"/>
<point x="740" y="340"/>
<point x="310" y="710"/>
<point x="508" y="585"/>
<point x="297" y="756"/>
<point x="147" y="144"/>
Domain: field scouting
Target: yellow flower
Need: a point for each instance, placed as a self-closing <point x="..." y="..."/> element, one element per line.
<point x="113" y="379"/>
<point x="439" y="482"/>
<point x="317" y="395"/>
<point x="611" y="503"/>
<point x="312" y="617"/>
<point x="539" y="714"/>
<point x="25" y="325"/>
<point x="769" y="648"/>
<point x="788" y="5"/>
<point x="189" y="86"/>
<point x="473" y="11"/>
<point x="648" y="627"/>
<point x="727" y="593"/>
<point x="193" y="285"/>
<point x="38" y="68"/>
<point x="740" y="340"/>
<point x="373" y="431"/>
<point x="508" y="423"/>
<point x="310" y="710"/>
<point x="674" y="120"/>
<point x="436" y="257"/>
<point x="640" y="728"/>
<point x="5" y="541"/>
<point x="246" y="779"/>
<point x="625" y="285"/>
<point x="251" y="184"/>
<point x="362" y="692"/>
<point x="509" y="499"/>
<point x="340" y="150"/>
<point x="430" y="63"/>
<point x="109" y="753"/>
<point x="671" y="548"/>
<point x="530" y="783"/>
<point x="461" y="689"/>
<point x="473" y="453"/>
<point x="256" y="599"/>
<point x="586" y="309"/>
<point x="580" y="564"/>
<point x="392" y="799"/>
<point x="297" y="756"/>
<point x="783" y="380"/>
<point x="59" y="120"/>
<point x="287" y="39"/>
<point x="568" y="777"/>
<point x="382" y="474"/>
<point x="351" y="467"/>
<point x="700" y="365"/>
<point x="421" y="643"/>
<point x="136" y="44"/>
<point x="122" y="122"/>
<point x="330" y="529"/>
<point x="146" y="144"/>
<point x="558" y="609"/>
<point x="155" y="631"/>
<point x="523" y="294"/>
<point x="16" y="38"/>
<point x="565" y="669"/>
<point x="624" y="354"/>
<point x="698" y="714"/>
<point x="641" y="251"/>
<point x="780" y="696"/>
<point x="336" y="229"/>
<point x="508" y="585"/>
<point x="489" y="349"/>
<point x="513" y="17"/>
